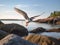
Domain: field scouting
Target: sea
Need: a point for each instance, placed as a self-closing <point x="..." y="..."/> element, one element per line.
<point x="34" y="25"/>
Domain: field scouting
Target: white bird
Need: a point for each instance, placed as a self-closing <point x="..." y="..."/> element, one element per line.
<point x="24" y="14"/>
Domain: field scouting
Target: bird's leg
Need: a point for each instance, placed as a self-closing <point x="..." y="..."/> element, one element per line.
<point x="27" y="23"/>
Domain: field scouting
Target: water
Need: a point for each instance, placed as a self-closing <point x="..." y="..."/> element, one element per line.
<point x="33" y="25"/>
<point x="52" y="34"/>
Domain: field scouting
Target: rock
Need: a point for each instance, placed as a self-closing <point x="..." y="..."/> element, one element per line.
<point x="42" y="40"/>
<point x="58" y="22"/>
<point x="59" y="39"/>
<point x="41" y="20"/>
<point x="54" y="30"/>
<point x="1" y="23"/>
<point x="49" y="20"/>
<point x="15" y="29"/>
<point x="38" y="30"/>
<point x="14" y="40"/>
<point x="3" y="34"/>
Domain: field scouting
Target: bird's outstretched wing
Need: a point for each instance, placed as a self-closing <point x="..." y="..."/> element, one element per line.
<point x="22" y="13"/>
<point x="37" y="15"/>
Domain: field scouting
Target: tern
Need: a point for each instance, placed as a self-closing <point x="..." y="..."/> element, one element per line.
<point x="24" y="14"/>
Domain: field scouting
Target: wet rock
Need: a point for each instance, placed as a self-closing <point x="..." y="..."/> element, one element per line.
<point x="38" y="30"/>
<point x="3" y="34"/>
<point x="42" y="40"/>
<point x="14" y="40"/>
<point x="54" y="30"/>
<point x="15" y="29"/>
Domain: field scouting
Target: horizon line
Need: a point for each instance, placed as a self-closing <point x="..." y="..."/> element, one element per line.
<point x="12" y="20"/>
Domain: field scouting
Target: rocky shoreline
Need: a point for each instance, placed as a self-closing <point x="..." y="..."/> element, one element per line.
<point x="30" y="39"/>
<point x="49" y="20"/>
<point x="22" y="37"/>
<point x="40" y="30"/>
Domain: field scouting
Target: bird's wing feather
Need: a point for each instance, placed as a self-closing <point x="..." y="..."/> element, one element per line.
<point x="37" y="15"/>
<point x="22" y="13"/>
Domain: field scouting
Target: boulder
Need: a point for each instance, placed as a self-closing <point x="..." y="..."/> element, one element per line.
<point x="38" y="30"/>
<point x="42" y="40"/>
<point x="12" y="39"/>
<point x="15" y="29"/>
<point x="3" y="34"/>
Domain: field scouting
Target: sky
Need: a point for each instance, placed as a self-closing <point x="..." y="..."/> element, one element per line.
<point x="31" y="7"/>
